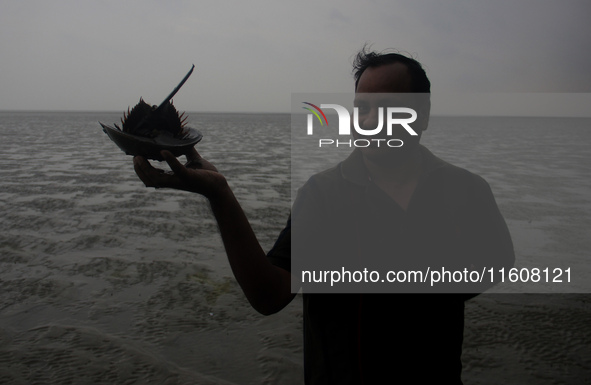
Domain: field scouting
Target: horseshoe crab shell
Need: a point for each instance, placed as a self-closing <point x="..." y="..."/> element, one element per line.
<point x="146" y="130"/>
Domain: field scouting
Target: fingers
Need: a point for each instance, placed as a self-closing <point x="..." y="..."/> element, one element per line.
<point x="143" y="169"/>
<point x="192" y="155"/>
<point x="179" y="178"/>
<point x="153" y="177"/>
<point x="194" y="159"/>
<point x="175" y="165"/>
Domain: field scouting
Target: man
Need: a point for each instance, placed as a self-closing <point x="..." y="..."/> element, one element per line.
<point x="425" y="206"/>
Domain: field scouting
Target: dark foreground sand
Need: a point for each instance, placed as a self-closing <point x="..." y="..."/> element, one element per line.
<point x="116" y="322"/>
<point x="528" y="339"/>
<point x="105" y="282"/>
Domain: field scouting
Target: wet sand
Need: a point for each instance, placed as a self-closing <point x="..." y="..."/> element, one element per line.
<point x="176" y="325"/>
<point x="105" y="282"/>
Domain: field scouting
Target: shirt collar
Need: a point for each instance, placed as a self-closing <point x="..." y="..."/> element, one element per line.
<point x="353" y="169"/>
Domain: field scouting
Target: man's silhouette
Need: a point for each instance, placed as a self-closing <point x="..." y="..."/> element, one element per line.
<point x="421" y="204"/>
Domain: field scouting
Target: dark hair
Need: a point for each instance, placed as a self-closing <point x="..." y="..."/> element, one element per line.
<point x="365" y="59"/>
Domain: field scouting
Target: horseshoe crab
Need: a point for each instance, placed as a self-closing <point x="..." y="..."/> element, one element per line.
<point x="146" y="130"/>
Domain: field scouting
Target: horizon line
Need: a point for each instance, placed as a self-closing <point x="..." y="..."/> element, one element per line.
<point x="437" y="115"/>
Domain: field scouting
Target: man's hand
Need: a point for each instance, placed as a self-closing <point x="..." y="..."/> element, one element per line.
<point x="267" y="287"/>
<point x="197" y="175"/>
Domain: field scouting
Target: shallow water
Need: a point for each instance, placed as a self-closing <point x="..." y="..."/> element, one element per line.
<point x="105" y="281"/>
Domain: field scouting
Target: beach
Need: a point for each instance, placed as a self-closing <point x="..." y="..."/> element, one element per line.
<point x="103" y="281"/>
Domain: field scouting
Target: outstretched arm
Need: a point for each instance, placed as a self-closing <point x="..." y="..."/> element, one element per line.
<point x="267" y="287"/>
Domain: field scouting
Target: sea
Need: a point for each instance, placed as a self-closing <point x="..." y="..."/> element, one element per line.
<point x="105" y="281"/>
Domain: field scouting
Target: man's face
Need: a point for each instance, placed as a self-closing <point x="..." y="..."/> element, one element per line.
<point x="387" y="86"/>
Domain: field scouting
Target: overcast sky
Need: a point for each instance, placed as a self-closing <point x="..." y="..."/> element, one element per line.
<point x="251" y="55"/>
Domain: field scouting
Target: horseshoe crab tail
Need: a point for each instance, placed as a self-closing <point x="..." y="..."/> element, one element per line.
<point x="176" y="89"/>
